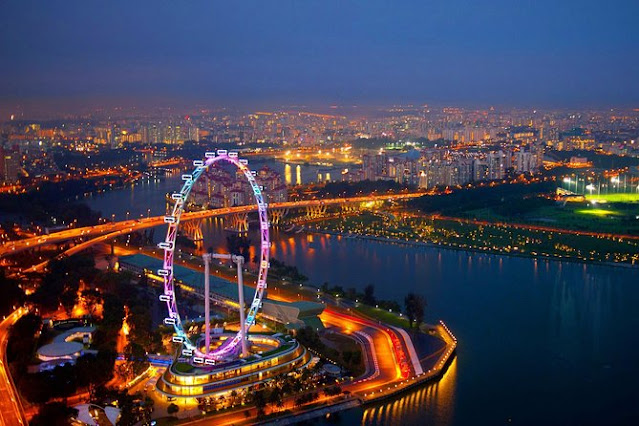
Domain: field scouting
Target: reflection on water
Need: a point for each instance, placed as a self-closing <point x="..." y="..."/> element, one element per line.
<point x="287" y="175"/>
<point x="536" y="341"/>
<point x="436" y="399"/>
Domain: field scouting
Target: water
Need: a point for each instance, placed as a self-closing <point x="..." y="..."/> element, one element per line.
<point x="147" y="196"/>
<point x="540" y="342"/>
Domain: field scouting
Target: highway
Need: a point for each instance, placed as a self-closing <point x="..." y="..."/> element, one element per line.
<point x="11" y="411"/>
<point x="16" y="246"/>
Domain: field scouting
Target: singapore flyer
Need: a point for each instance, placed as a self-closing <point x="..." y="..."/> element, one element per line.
<point x="230" y="346"/>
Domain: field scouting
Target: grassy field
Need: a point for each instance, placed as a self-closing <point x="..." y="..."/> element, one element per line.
<point x="614" y="218"/>
<point x="614" y="198"/>
<point x="183" y="367"/>
<point x="383" y="315"/>
<point x="598" y="212"/>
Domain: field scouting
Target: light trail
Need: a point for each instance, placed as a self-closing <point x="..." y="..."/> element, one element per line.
<point x="11" y="411"/>
<point x="16" y="246"/>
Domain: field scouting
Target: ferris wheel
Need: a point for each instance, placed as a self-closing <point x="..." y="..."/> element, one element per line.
<point x="231" y="345"/>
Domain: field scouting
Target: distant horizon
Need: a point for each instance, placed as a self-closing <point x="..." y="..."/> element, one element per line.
<point x="52" y="109"/>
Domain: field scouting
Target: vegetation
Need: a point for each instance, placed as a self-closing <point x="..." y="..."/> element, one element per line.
<point x="600" y="161"/>
<point x="118" y="299"/>
<point x="509" y="200"/>
<point x="383" y="315"/>
<point x="51" y="201"/>
<point x="12" y="294"/>
<point x="54" y="414"/>
<point x="60" y="285"/>
<point x="239" y="245"/>
<point x="364" y="187"/>
<point x="349" y="356"/>
<point x="498" y="237"/>
<point x="368" y="297"/>
<point x="415" y="306"/>
<point x="281" y="270"/>
<point x="615" y="197"/>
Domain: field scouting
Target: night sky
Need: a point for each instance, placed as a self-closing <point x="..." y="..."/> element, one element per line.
<point x="514" y="52"/>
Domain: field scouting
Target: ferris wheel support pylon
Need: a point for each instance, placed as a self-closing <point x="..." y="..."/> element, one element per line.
<point x="239" y="261"/>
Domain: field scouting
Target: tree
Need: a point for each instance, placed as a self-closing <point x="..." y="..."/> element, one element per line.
<point x="12" y="294"/>
<point x="259" y="399"/>
<point x="172" y="408"/>
<point x="61" y="283"/>
<point x="54" y="414"/>
<point x="136" y="358"/>
<point x="369" y="295"/>
<point x="275" y="397"/>
<point x="233" y="397"/>
<point x="415" y="306"/>
<point x="92" y="299"/>
<point x="69" y="298"/>
<point x="333" y="390"/>
<point x="238" y="245"/>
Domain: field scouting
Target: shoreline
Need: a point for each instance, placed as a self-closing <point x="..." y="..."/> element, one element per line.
<point x="376" y="397"/>
<point x="469" y="249"/>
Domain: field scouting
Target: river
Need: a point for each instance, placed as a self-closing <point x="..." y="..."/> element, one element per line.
<point x="540" y="341"/>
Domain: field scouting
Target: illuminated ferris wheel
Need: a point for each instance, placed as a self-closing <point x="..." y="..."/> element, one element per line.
<point x="231" y="345"/>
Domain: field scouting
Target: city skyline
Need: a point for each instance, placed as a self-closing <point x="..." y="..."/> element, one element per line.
<point x="539" y="54"/>
<point x="339" y="212"/>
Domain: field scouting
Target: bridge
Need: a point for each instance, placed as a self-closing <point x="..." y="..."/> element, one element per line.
<point x="113" y="229"/>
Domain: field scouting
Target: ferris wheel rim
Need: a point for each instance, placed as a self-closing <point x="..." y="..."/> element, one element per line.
<point x="169" y="245"/>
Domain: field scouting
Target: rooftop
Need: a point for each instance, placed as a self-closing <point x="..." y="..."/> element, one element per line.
<point x="60" y="349"/>
<point x="190" y="277"/>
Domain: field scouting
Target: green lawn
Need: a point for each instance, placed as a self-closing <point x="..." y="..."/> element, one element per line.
<point x="183" y="367"/>
<point x="615" y="198"/>
<point x="383" y="315"/>
<point x="611" y="218"/>
<point x="598" y="212"/>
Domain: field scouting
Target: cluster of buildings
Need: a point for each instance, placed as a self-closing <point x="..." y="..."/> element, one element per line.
<point x="614" y="129"/>
<point x="222" y="186"/>
<point x="27" y="148"/>
<point x="170" y="133"/>
<point x="433" y="167"/>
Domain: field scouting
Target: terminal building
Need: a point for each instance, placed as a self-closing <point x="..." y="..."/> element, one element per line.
<point x="285" y="355"/>
<point x="293" y="316"/>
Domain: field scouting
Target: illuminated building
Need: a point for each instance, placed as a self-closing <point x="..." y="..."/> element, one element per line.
<point x="279" y="355"/>
<point x="9" y="165"/>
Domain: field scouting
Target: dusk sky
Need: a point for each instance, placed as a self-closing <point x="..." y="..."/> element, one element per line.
<point x="522" y="53"/>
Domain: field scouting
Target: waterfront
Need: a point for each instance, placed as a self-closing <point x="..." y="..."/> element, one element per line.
<point x="146" y="196"/>
<point x="541" y="342"/>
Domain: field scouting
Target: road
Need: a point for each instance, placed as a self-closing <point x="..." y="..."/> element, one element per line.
<point x="16" y="246"/>
<point x="11" y="411"/>
<point x="382" y="346"/>
<point x="385" y="345"/>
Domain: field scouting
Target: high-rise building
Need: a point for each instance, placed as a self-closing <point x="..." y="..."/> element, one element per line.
<point x="9" y="165"/>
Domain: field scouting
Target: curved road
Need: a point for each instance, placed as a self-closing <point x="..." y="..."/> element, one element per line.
<point x="138" y="224"/>
<point x="11" y="411"/>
